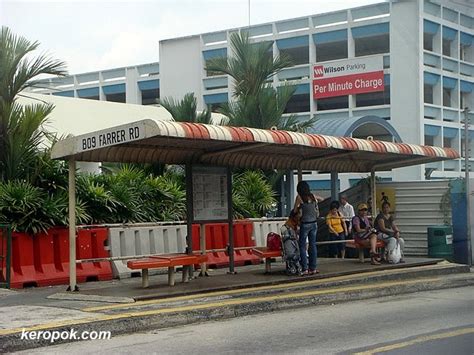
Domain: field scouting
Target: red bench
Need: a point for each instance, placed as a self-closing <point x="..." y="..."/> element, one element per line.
<point x="351" y="243"/>
<point x="167" y="260"/>
<point x="264" y="253"/>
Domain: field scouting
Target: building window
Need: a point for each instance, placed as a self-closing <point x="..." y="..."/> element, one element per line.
<point x="298" y="55"/>
<point x="332" y="103"/>
<point x="466" y="49"/>
<point x="371" y="39"/>
<point x="150" y="97"/>
<point x="449" y="37"/>
<point x="428" y="94"/>
<point x="296" y="48"/>
<point x="375" y="98"/>
<point x="215" y="101"/>
<point x="430" y="33"/>
<point x="428" y="41"/>
<point x="447" y="96"/>
<point x="215" y="107"/>
<point x="331" y="51"/>
<point x="89" y="93"/>
<point x="372" y="45"/>
<point x="213" y="54"/>
<point x="447" y="142"/>
<point x="447" y="47"/>
<point x="298" y="103"/>
<point x="120" y="97"/>
<point x="429" y="140"/>
<point x="331" y="45"/>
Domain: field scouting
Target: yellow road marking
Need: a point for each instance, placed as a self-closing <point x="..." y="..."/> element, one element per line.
<point x="214" y="305"/>
<point x="241" y="290"/>
<point x="418" y="340"/>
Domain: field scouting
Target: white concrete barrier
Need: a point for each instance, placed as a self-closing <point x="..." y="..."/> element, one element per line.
<point x="162" y="238"/>
<point x="135" y="240"/>
<point x="263" y="226"/>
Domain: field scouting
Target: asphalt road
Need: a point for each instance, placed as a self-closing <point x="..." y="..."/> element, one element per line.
<point x="435" y="322"/>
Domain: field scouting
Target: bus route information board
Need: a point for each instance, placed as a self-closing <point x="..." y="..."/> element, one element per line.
<point x="210" y="193"/>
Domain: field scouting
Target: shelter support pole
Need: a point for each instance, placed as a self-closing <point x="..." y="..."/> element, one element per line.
<point x="373" y="191"/>
<point x="467" y="170"/>
<point x="334" y="186"/>
<point x="289" y="191"/>
<point x="202" y="242"/>
<point x="189" y="208"/>
<point x="230" y="218"/>
<point x="72" y="226"/>
<point x="300" y="175"/>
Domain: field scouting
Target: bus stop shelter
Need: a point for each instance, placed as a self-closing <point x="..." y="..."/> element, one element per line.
<point x="192" y="144"/>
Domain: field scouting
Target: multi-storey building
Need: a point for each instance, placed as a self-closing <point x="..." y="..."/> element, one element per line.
<point x="424" y="48"/>
<point x="138" y="84"/>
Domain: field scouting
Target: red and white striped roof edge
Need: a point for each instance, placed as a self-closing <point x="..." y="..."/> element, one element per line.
<point x="181" y="142"/>
<point x="246" y="134"/>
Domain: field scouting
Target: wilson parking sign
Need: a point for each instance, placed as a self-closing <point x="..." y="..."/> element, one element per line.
<point x="348" y="77"/>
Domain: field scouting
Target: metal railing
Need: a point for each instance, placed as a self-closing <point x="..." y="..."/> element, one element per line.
<point x="5" y="255"/>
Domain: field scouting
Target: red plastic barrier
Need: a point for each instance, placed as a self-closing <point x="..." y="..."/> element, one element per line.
<point x="22" y="263"/>
<point x="90" y="243"/>
<point x="243" y="231"/>
<point x="50" y="265"/>
<point x="43" y="259"/>
<point x="217" y="237"/>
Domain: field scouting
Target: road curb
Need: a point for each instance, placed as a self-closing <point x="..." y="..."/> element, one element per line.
<point x="125" y="325"/>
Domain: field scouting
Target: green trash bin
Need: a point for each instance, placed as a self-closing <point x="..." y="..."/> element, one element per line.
<point x="440" y="242"/>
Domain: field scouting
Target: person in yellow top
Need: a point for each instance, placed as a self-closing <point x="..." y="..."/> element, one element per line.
<point x="337" y="231"/>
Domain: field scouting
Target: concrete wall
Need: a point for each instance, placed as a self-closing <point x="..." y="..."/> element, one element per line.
<point x="406" y="38"/>
<point x="181" y="67"/>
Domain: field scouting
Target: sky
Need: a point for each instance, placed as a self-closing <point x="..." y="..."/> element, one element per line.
<point x="95" y="35"/>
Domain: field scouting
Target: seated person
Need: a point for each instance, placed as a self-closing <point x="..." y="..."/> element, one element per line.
<point x="387" y="230"/>
<point x="364" y="234"/>
<point x="337" y="230"/>
<point x="290" y="247"/>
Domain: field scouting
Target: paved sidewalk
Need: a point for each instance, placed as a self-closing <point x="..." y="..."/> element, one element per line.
<point x="122" y="306"/>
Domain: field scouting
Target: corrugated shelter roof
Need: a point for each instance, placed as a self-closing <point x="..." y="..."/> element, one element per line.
<point x="149" y="141"/>
<point x="344" y="126"/>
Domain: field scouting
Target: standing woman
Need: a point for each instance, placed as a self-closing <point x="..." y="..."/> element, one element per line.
<point x="307" y="203"/>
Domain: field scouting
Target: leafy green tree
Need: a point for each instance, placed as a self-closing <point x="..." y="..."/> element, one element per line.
<point x="30" y="209"/>
<point x="252" y="195"/>
<point x="250" y="67"/>
<point x="21" y="127"/>
<point x="185" y="110"/>
<point x="257" y="104"/>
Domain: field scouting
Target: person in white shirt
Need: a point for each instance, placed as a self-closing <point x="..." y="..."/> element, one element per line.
<point x="347" y="211"/>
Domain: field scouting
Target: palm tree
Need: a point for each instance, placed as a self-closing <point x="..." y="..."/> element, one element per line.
<point x="185" y="110"/>
<point x="21" y="127"/>
<point x="250" y="66"/>
<point x="257" y="103"/>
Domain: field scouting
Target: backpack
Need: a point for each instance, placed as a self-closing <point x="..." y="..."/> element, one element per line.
<point x="291" y="253"/>
<point x="273" y="241"/>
